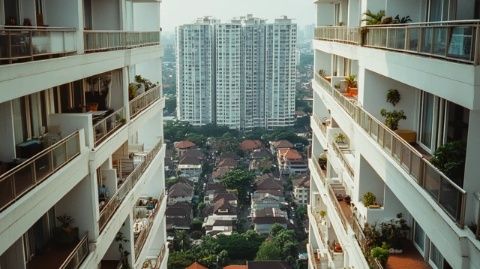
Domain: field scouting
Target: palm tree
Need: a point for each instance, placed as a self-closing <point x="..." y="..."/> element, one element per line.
<point x="373" y="18"/>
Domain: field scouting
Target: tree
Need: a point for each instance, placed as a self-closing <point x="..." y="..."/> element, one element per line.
<point x="181" y="241"/>
<point x="301" y="212"/>
<point x="240" y="180"/>
<point x="269" y="251"/>
<point x="180" y="259"/>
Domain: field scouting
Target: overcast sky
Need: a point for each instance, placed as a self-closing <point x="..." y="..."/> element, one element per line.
<point x="177" y="12"/>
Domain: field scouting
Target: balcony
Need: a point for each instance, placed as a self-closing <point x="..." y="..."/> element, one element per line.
<point x="144" y="100"/>
<point x="448" y="40"/>
<point x="448" y="195"/>
<point x="346" y="156"/>
<point x="97" y="41"/>
<point x="62" y="257"/>
<point x="33" y="171"/>
<point x="108" y="210"/>
<point x="31" y="43"/>
<point x="320" y="171"/>
<point x="145" y="212"/>
<point x="104" y="125"/>
<point x="322" y="123"/>
<point x="155" y="262"/>
<point x="318" y="259"/>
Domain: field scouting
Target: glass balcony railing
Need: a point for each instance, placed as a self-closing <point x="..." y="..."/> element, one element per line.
<point x="116" y="200"/>
<point x="449" y="40"/>
<point x="447" y="194"/>
<point x="76" y="257"/>
<point x="107" y="125"/>
<point x="339" y="34"/>
<point x="141" y="102"/>
<point x="33" y="171"/>
<point x="96" y="41"/>
<point x="29" y="43"/>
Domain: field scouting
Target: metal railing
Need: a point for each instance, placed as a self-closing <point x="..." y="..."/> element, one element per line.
<point x="139" y="242"/>
<point x="144" y="100"/>
<point x="351" y="35"/>
<point x="78" y="254"/>
<point x="25" y="43"/>
<point x="322" y="124"/>
<point x="157" y="261"/>
<point x="33" y="171"/>
<point x="447" y="194"/>
<point x="112" y="205"/>
<point x="338" y="208"/>
<point x="343" y="159"/>
<point x="450" y="40"/>
<point x="108" y="125"/>
<point x="319" y="170"/>
<point x="316" y="262"/>
<point x="117" y="40"/>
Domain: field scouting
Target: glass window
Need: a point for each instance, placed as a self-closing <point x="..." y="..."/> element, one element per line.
<point x="426" y="121"/>
<point x="419" y="236"/>
<point x="436" y="257"/>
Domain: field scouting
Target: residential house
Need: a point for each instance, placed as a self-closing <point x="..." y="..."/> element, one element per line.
<point x="290" y="161"/>
<point x="179" y="216"/>
<point x="182" y="146"/>
<point x="180" y="192"/>
<point x="280" y="144"/>
<point x="301" y="189"/>
<point x="222" y="216"/>
<point x="250" y="145"/>
<point x="190" y="164"/>
<point x="260" y="160"/>
<point x="211" y="189"/>
<point x="264" y="219"/>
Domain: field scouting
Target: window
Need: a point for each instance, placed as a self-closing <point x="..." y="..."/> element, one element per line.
<point x="426" y="119"/>
<point x="419" y="236"/>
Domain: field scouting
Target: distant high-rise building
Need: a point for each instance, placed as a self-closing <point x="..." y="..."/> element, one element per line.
<point x="253" y="73"/>
<point x="280" y="73"/>
<point x="227" y="73"/>
<point x="240" y="74"/>
<point x="196" y="72"/>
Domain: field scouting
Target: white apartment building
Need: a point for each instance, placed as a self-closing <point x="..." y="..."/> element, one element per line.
<point x="429" y="68"/>
<point x="253" y="73"/>
<point x="280" y="73"/>
<point x="196" y="72"/>
<point x="227" y="73"/>
<point x="82" y="153"/>
<point x="247" y="66"/>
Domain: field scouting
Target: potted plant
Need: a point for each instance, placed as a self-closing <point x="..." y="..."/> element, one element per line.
<point x="352" y="86"/>
<point x="66" y="234"/>
<point x="369" y="199"/>
<point x="381" y="254"/>
<point x="371" y="18"/>
<point x="392" y="118"/>
<point x="450" y="159"/>
<point x="348" y="199"/>
<point x="393" y="96"/>
<point x="323" y="213"/>
<point x="322" y="161"/>
<point x="340" y="138"/>
<point x="322" y="73"/>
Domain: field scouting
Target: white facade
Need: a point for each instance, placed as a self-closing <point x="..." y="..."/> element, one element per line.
<point x="76" y="141"/>
<point x="236" y="71"/>
<point x="195" y="72"/>
<point x="435" y="77"/>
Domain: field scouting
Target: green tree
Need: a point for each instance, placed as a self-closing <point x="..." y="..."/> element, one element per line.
<point x="240" y="180"/>
<point x="269" y="251"/>
<point x="181" y="241"/>
<point x="180" y="259"/>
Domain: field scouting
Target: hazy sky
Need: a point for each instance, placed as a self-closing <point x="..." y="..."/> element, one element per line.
<point x="176" y="12"/>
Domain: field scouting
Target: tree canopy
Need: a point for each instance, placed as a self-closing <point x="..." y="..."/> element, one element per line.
<point x="240" y="180"/>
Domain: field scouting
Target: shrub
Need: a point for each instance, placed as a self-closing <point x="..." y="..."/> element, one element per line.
<point x="369" y="199"/>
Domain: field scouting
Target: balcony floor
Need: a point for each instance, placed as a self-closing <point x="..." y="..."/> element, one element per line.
<point x="410" y="258"/>
<point x="109" y="264"/>
<point x="52" y="257"/>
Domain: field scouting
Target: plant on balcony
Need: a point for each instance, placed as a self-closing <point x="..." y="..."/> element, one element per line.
<point x="392" y="118"/>
<point x="373" y="18"/>
<point x="450" y="159"/>
<point x="369" y="199"/>
<point x="393" y="96"/>
<point x="66" y="235"/>
<point x="323" y="213"/>
<point x="146" y="82"/>
<point x="132" y="91"/>
<point x="405" y="19"/>
<point x="322" y="161"/>
<point x="381" y="254"/>
<point x="340" y="138"/>
<point x="120" y="239"/>
<point x="352" y="86"/>
<point x="395" y="233"/>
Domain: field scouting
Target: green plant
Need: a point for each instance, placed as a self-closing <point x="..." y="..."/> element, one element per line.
<point x="322" y="73"/>
<point x="450" y="159"/>
<point x="337" y="86"/>
<point x="351" y="81"/>
<point x="369" y="199"/>
<point x="394" y="232"/>
<point x="132" y="91"/>
<point x="393" y="96"/>
<point x="373" y="18"/>
<point x="392" y="118"/>
<point x="322" y="161"/>
<point x="65" y="220"/>
<point x="405" y="19"/>
<point x="323" y="213"/>
<point x="340" y="138"/>
<point x="120" y="239"/>
<point x="380" y="254"/>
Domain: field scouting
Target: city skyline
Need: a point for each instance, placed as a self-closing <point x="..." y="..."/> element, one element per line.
<point x="227" y="9"/>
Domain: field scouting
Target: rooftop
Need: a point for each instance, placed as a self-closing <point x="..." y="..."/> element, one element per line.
<point x="184" y="144"/>
<point x="180" y="189"/>
<point x="249" y="145"/>
<point x="282" y="144"/>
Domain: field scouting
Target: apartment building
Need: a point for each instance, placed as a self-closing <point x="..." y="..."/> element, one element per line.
<point x="196" y="72"/>
<point x="378" y="135"/>
<point x="242" y="72"/>
<point x="82" y="153"/>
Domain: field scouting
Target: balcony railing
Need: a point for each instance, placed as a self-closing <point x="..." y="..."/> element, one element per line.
<point x="112" y="205"/>
<point x="155" y="263"/>
<point x="108" y="125"/>
<point x="28" y="43"/>
<point x="141" y="102"/>
<point x="447" y="194"/>
<point x="143" y="235"/>
<point x="341" y="155"/>
<point x="322" y="124"/>
<point x="319" y="170"/>
<point x="35" y="170"/>
<point x="76" y="257"/>
<point x="116" y="40"/>
<point x="343" y="218"/>
<point x="450" y="40"/>
<point x="339" y="34"/>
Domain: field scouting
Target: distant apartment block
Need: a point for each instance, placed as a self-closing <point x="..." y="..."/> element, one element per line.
<point x="240" y="74"/>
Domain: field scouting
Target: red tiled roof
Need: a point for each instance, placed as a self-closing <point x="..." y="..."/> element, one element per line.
<point x="184" y="144"/>
<point x="290" y="154"/>
<point x="249" y="145"/>
<point x="196" y="265"/>
<point x="282" y="144"/>
<point x="236" y="267"/>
